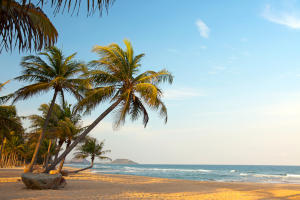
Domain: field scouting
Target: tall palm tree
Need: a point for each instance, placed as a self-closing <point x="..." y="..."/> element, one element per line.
<point x="115" y="77"/>
<point x="91" y="148"/>
<point x="59" y="74"/>
<point x="24" y="25"/>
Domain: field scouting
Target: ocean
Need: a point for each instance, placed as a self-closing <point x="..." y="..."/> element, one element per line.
<point x="222" y="173"/>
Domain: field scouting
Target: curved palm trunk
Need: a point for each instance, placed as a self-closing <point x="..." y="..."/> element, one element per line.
<point x="89" y="167"/>
<point x="60" y="143"/>
<point x="48" y="154"/>
<point x="61" y="165"/>
<point x="82" y="136"/>
<point x="63" y="161"/>
<point x="37" y="147"/>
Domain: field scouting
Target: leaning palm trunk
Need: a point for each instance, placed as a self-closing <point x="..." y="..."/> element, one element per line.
<point x="37" y="148"/>
<point x="63" y="161"/>
<point x="82" y="136"/>
<point x="60" y="143"/>
<point x="89" y="167"/>
<point x="48" y="154"/>
<point x="61" y="165"/>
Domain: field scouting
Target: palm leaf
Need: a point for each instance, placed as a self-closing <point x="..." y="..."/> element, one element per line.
<point x="24" y="26"/>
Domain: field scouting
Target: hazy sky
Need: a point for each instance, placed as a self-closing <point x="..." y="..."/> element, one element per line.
<point x="236" y="94"/>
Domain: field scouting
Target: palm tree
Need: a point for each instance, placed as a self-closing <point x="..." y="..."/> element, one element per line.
<point x="115" y="76"/>
<point x="68" y="131"/>
<point x="37" y="123"/>
<point x="47" y="148"/>
<point x="91" y="148"/>
<point x="25" y="26"/>
<point x="14" y="150"/>
<point x="64" y="125"/>
<point x="59" y="74"/>
<point x="9" y="121"/>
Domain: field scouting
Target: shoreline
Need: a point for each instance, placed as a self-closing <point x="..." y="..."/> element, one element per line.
<point x="217" y="181"/>
<point x="89" y="185"/>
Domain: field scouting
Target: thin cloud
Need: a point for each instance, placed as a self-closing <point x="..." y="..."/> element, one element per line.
<point x="202" y="28"/>
<point x="289" y="19"/>
<point x="182" y="93"/>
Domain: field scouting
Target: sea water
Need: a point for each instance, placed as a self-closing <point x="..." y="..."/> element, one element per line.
<point x="223" y="173"/>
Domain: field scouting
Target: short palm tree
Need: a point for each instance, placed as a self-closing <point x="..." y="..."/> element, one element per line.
<point x="9" y="121"/>
<point x="15" y="149"/>
<point x="91" y="148"/>
<point x="115" y="77"/>
<point x="63" y="126"/>
<point x="68" y="131"/>
<point x="37" y="123"/>
<point x="58" y="73"/>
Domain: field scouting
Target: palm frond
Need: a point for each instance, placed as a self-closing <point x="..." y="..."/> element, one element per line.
<point x="117" y="69"/>
<point x="24" y="26"/>
<point x="94" y="97"/>
<point x="29" y="91"/>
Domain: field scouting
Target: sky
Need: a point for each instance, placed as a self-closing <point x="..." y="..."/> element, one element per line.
<point x="236" y="93"/>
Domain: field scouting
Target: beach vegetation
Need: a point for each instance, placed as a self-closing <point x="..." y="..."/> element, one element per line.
<point x="63" y="126"/>
<point x="55" y="73"/>
<point x="116" y="78"/>
<point x="93" y="149"/>
<point x="11" y="137"/>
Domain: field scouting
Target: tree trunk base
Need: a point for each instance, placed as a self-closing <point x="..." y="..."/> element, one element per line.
<point x="43" y="181"/>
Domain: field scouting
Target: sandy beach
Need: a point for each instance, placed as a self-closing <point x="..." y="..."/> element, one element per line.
<point x="88" y="185"/>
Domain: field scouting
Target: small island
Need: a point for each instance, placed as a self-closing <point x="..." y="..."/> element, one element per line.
<point x="123" y="162"/>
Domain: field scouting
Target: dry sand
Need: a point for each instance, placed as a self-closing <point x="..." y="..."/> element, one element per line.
<point x="93" y="186"/>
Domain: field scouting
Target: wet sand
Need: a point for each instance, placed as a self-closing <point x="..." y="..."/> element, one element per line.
<point x="87" y="185"/>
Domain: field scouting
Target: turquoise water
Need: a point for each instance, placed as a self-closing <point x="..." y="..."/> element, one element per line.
<point x="224" y="173"/>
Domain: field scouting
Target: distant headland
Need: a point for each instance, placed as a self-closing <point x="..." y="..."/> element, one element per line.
<point x="123" y="162"/>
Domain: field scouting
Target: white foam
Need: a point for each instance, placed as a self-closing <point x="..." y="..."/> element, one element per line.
<point x="293" y="175"/>
<point x="165" y="169"/>
<point x="268" y="175"/>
